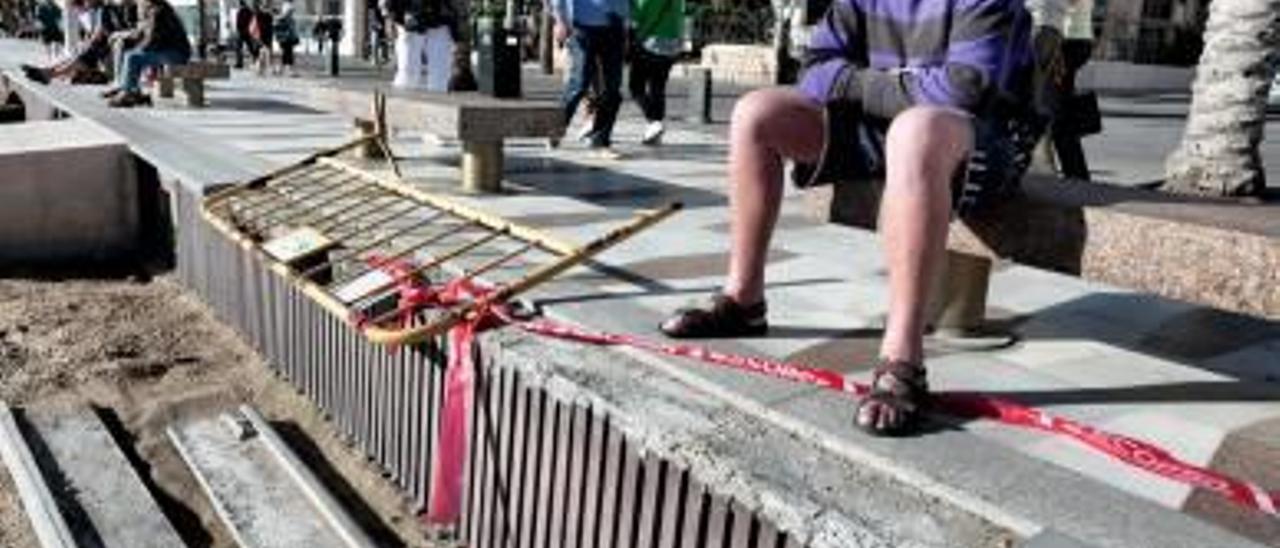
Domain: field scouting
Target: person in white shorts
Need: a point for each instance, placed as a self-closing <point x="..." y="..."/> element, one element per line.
<point x="425" y="29"/>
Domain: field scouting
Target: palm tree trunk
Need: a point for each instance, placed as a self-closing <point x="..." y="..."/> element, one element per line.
<point x="1219" y="151"/>
<point x="464" y="76"/>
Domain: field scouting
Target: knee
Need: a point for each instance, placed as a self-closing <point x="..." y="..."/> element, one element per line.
<point x="756" y="113"/>
<point x="930" y="139"/>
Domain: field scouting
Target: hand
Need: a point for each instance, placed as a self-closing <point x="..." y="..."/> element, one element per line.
<point x="560" y="33"/>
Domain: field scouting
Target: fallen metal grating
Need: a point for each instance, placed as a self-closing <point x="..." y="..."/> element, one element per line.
<point x="541" y="472"/>
<point x="356" y="242"/>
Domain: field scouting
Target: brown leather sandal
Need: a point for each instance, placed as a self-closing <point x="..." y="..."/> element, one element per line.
<point x="722" y="317"/>
<point x="899" y="396"/>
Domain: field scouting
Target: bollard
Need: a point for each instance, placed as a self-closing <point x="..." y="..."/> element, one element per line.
<point x="333" y="57"/>
<point x="959" y="300"/>
<point x="700" y="95"/>
<point x="482" y="166"/>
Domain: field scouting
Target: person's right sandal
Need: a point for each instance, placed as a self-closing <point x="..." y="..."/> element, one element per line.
<point x="721" y="317"/>
<point x="899" y="395"/>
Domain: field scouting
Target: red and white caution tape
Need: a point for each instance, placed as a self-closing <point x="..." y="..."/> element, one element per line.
<point x="446" y="489"/>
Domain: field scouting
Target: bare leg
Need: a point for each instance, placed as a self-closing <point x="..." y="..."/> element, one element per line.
<point x="768" y="126"/>
<point x="924" y="148"/>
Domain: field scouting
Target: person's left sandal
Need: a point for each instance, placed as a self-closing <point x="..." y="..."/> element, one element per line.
<point x="899" y="395"/>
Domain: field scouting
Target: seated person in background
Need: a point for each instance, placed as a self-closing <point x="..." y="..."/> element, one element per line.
<point x="161" y="40"/>
<point x="933" y="95"/>
<point x="86" y="66"/>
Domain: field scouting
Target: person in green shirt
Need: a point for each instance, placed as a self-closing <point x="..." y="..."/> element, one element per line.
<point x="657" y="40"/>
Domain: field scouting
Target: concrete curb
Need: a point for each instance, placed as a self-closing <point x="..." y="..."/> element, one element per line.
<point x="42" y="507"/>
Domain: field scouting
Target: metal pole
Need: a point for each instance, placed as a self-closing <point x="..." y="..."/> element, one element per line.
<point x="546" y="40"/>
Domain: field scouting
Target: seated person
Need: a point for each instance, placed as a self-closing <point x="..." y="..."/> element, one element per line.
<point x="161" y="40"/>
<point x="933" y="96"/>
<point x="102" y="21"/>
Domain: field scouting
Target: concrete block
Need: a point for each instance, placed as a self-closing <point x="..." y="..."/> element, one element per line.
<point x="68" y="192"/>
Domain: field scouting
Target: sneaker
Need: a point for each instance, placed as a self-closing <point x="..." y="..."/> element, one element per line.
<point x="35" y="74"/>
<point x="584" y="132"/>
<point x="111" y="93"/>
<point x="130" y="99"/>
<point x="604" y="152"/>
<point x="653" y="133"/>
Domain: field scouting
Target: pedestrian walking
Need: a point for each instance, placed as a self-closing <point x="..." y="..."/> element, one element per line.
<point x="286" y="33"/>
<point x="595" y="32"/>
<point x="263" y="31"/>
<point x="656" y="42"/>
<point x="425" y="29"/>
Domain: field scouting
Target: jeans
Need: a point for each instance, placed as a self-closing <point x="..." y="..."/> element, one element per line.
<point x="592" y="49"/>
<point x="139" y="60"/>
<point x="648" y="83"/>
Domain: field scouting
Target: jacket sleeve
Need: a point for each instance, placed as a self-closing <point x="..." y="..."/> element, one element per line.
<point x="833" y="56"/>
<point x="982" y="46"/>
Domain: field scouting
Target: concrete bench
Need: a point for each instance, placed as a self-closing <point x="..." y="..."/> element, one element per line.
<point x="1218" y="253"/>
<point x="192" y="76"/>
<point x="481" y="123"/>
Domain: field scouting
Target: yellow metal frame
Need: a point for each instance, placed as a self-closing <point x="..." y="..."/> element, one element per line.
<point x="262" y="196"/>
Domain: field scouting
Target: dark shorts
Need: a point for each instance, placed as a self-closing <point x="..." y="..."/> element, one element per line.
<point x="94" y="53"/>
<point x="51" y="36"/>
<point x="854" y="153"/>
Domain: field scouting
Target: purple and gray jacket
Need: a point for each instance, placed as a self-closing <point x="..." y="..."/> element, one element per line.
<point x="889" y="55"/>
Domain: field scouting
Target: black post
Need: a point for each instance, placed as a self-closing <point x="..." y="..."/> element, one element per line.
<point x="335" y="36"/>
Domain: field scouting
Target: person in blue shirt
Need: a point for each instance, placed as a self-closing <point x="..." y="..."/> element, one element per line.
<point x="595" y="33"/>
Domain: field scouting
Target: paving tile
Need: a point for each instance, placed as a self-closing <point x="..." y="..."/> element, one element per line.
<point x="1192" y="442"/>
<point x="1121" y="368"/>
<point x="1259" y="362"/>
<point x="1053" y="539"/>
<point x="1027" y="290"/>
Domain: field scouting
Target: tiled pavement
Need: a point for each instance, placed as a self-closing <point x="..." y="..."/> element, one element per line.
<point x="1204" y="384"/>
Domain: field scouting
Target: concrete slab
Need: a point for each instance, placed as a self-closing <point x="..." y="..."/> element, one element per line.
<point x="254" y="492"/>
<point x="68" y="192"/>
<point x="115" y="508"/>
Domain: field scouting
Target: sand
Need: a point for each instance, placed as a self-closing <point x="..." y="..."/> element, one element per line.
<point x="147" y="352"/>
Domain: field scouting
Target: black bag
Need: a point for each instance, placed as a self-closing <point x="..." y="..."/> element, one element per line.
<point x="1080" y="115"/>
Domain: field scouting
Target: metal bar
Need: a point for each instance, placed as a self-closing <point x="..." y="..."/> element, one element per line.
<point x="543" y="240"/>
<point x="351" y="253"/>
<point x="404" y="252"/>
<point x="434" y="262"/>
<point x="285" y="170"/>
<point x="505" y="292"/>
<point x="305" y="209"/>
<point x="338" y="214"/>
<point x="492" y="264"/>
<point x="381" y="221"/>
<point x="286" y="182"/>
<point x="326" y="176"/>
